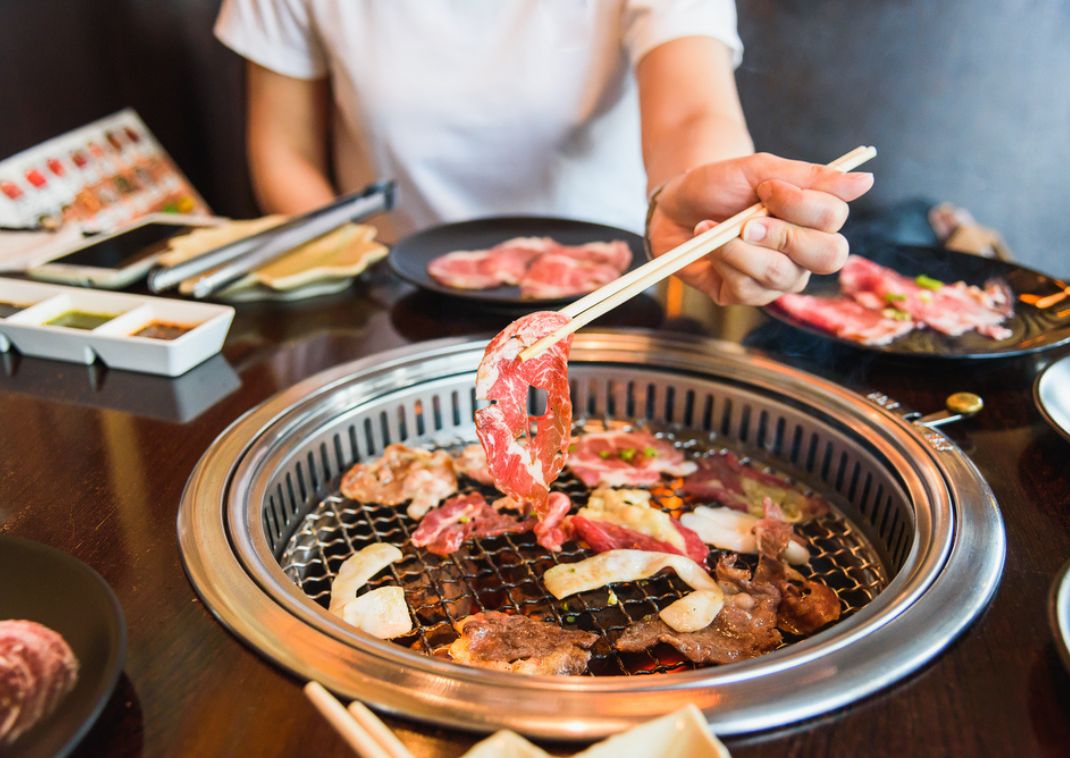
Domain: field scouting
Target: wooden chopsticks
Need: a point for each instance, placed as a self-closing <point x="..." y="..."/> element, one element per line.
<point x="358" y="726"/>
<point x="622" y="289"/>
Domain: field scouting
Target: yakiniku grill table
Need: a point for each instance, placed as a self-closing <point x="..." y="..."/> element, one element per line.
<point x="94" y="462"/>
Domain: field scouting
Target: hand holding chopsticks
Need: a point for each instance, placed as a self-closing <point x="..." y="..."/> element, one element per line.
<point x="358" y="726"/>
<point x="604" y="299"/>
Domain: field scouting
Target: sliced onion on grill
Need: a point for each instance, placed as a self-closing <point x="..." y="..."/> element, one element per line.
<point x="622" y="566"/>
<point x="357" y="569"/>
<point x="694" y="611"/>
<point x="381" y="613"/>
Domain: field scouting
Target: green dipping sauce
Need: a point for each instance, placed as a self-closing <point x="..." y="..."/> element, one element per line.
<point x="80" y="320"/>
<point x="9" y="309"/>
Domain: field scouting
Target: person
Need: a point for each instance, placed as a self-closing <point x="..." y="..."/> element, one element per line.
<point x="578" y="108"/>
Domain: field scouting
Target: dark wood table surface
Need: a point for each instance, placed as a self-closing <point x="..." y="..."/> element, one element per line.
<point x="94" y="462"/>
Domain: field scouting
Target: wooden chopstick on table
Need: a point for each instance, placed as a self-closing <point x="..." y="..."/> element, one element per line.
<point x="358" y="726"/>
<point x="622" y="289"/>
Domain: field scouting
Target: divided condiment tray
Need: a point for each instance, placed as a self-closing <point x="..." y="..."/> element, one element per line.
<point x="135" y="332"/>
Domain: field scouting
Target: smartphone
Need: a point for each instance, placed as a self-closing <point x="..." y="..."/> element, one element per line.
<point x="116" y="260"/>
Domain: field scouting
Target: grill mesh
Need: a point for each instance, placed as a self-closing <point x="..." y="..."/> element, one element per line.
<point x="502" y="573"/>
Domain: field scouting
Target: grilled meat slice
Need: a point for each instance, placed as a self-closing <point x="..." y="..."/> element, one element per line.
<point x="517" y="643"/>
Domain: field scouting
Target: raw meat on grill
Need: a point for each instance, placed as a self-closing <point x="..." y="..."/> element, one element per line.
<point x="555" y="275"/>
<point x="461" y="518"/>
<point x="951" y="309"/>
<point x="421" y="477"/>
<point x="724" y="479"/>
<point x="524" y="465"/>
<point x="621" y="459"/>
<point x="846" y="318"/>
<point x="37" y="670"/>
<point x="552" y="529"/>
<point x="542" y="267"/>
<point x="517" y="643"/>
<point x="472" y="462"/>
<point x="624" y="518"/>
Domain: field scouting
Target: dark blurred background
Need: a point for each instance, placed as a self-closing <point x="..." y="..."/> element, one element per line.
<point x="968" y="102"/>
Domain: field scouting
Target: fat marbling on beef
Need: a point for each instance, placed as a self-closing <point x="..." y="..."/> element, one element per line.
<point x="619" y="458"/>
<point x="461" y="518"/>
<point x="522" y="464"/>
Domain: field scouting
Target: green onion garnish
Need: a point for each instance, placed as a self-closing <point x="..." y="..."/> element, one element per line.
<point x="894" y="297"/>
<point x="603" y="454"/>
<point x="650" y="453"/>
<point x="927" y="282"/>
<point x="627" y="453"/>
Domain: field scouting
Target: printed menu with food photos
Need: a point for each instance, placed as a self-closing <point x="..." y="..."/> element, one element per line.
<point x="97" y="178"/>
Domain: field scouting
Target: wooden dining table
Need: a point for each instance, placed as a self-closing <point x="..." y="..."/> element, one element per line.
<point x="94" y="462"/>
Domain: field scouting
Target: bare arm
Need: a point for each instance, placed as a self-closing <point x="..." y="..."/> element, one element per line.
<point x="287" y="141"/>
<point x="689" y="107"/>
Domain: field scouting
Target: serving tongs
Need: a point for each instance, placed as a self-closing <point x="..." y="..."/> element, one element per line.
<point x="214" y="269"/>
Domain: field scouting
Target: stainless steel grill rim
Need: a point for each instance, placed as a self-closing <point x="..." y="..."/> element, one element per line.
<point x="930" y="603"/>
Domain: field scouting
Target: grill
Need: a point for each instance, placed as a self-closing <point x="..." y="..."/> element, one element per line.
<point x="913" y="545"/>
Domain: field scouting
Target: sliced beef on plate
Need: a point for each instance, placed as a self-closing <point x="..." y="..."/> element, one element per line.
<point x="421" y="477"/>
<point x="622" y="458"/>
<point x="466" y="270"/>
<point x="37" y="669"/>
<point x="616" y="253"/>
<point x="461" y="518"/>
<point x="524" y="465"/>
<point x="846" y="318"/>
<point x="517" y="643"/>
<point x="951" y="309"/>
<point x="724" y="479"/>
<point x="555" y="275"/>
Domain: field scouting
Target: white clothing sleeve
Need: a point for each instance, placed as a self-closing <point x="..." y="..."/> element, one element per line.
<point x="649" y="23"/>
<point x="276" y="34"/>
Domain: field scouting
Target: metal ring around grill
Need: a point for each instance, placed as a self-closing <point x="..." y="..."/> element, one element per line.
<point x="925" y="506"/>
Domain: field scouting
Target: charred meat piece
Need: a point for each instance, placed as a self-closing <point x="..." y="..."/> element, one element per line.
<point x="37" y="669"/>
<point x="805" y="605"/>
<point x="517" y="643"/>
<point x="403" y="474"/>
<point x="745" y="628"/>
<point x="462" y="518"/>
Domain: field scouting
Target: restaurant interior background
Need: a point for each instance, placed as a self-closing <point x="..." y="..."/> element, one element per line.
<point x="967" y="101"/>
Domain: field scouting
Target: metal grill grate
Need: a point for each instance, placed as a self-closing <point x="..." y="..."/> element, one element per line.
<point x="503" y="573"/>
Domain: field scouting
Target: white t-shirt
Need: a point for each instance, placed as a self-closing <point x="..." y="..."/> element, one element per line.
<point x="480" y="107"/>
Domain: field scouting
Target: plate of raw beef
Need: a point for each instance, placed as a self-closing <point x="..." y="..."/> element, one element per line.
<point x="929" y="302"/>
<point x="516" y="260"/>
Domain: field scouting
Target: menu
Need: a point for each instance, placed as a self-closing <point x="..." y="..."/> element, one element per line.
<point x="97" y="178"/>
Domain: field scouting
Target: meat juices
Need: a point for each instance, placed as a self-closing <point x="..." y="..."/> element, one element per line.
<point x="37" y="669"/>
<point x="524" y="465"/>
<point x="521" y="644"/>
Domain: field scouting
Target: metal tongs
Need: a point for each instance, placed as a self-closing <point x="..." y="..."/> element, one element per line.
<point x="219" y="267"/>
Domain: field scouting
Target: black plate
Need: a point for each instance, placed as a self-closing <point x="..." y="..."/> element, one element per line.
<point x="1031" y="329"/>
<point x="410" y="256"/>
<point x="48" y="586"/>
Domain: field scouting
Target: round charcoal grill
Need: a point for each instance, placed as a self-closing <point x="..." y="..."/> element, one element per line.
<point x="913" y="546"/>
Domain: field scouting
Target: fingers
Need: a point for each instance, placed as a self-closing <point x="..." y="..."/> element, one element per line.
<point x="762" y="167"/>
<point x="803" y="207"/>
<point x="770" y="269"/>
<point x="813" y="250"/>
